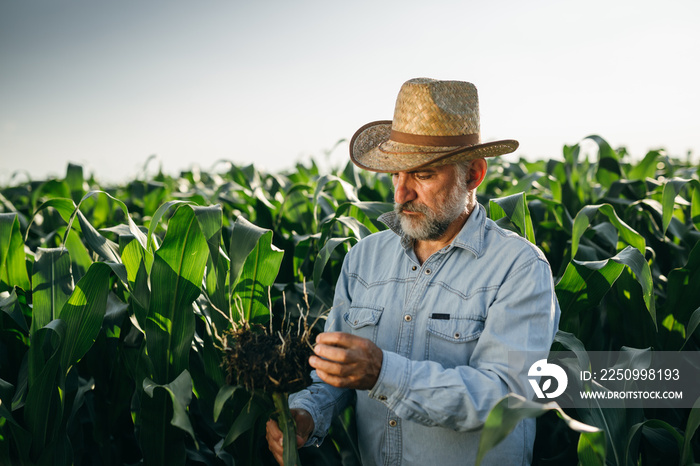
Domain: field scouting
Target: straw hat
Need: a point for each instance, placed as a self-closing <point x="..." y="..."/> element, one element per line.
<point x="435" y="123"/>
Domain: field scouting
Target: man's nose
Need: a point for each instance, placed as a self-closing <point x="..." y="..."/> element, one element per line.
<point x="403" y="191"/>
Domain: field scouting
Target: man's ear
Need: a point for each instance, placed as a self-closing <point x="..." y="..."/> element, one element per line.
<point x="476" y="173"/>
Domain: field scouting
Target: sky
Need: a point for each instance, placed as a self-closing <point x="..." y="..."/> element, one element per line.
<point x="106" y="84"/>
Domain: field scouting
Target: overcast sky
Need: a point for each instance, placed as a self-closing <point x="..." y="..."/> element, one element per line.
<point x="108" y="83"/>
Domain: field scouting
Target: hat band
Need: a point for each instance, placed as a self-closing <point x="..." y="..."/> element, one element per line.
<point x="438" y="141"/>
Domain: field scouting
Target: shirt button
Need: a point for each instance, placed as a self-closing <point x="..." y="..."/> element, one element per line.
<point x="428" y="271"/>
<point x="414" y="268"/>
<point x="381" y="398"/>
<point x="457" y="335"/>
<point x="407" y="318"/>
<point x="392" y="423"/>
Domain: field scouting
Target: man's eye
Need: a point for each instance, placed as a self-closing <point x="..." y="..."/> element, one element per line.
<point x="424" y="176"/>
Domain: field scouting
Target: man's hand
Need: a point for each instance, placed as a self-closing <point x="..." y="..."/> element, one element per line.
<point x="305" y="425"/>
<point x="347" y="361"/>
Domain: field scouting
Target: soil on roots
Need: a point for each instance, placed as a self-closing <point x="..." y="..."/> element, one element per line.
<point x="258" y="360"/>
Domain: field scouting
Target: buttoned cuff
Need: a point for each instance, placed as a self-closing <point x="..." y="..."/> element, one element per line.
<point x="393" y="379"/>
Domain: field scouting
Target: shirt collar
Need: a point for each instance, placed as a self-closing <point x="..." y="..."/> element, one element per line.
<point x="470" y="237"/>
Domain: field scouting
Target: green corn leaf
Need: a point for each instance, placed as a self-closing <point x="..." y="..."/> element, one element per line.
<point x="13" y="268"/>
<point x="80" y="258"/>
<point x="646" y="168"/>
<point x="586" y="215"/>
<point x="10" y="305"/>
<point x="156" y="219"/>
<point x="683" y="287"/>
<point x="244" y="238"/>
<point x="592" y="448"/>
<point x="524" y="183"/>
<point x="692" y="326"/>
<point x="515" y="209"/>
<point x="286" y="423"/>
<point x="135" y="230"/>
<point x="83" y="314"/>
<point x="176" y="277"/>
<point x="180" y="391"/>
<point x="259" y="272"/>
<point x="636" y="430"/>
<point x="609" y="168"/>
<point x="135" y="261"/>
<point x="52" y="284"/>
<point x="690" y="429"/>
<point x="64" y="207"/>
<point x="255" y="263"/>
<point x="324" y="256"/>
<point x="6" y="392"/>
<point x="673" y="188"/>
<point x="75" y="181"/>
<point x="633" y="259"/>
<point x="512" y="409"/>
<point x="584" y="284"/>
<point x="210" y="221"/>
<point x="251" y="412"/>
<point x="106" y="249"/>
<point x="695" y="207"/>
<point x="225" y="393"/>
<point x="44" y="404"/>
<point x="51" y="189"/>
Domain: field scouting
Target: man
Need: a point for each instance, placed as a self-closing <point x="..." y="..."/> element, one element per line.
<point x="426" y="313"/>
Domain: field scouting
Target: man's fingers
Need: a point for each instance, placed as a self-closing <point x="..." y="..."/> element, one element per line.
<point x="340" y="339"/>
<point x="332" y="353"/>
<point x="333" y="380"/>
<point x="274" y="437"/>
<point x="330" y="367"/>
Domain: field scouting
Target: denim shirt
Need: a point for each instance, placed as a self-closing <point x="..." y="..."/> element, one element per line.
<point x="446" y="328"/>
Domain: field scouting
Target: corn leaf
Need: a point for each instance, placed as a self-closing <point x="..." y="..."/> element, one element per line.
<point x="324" y="256"/>
<point x="134" y="257"/>
<point x="585" y="217"/>
<point x="176" y="277"/>
<point x="44" y="404"/>
<point x="690" y="429"/>
<point x="79" y="256"/>
<point x="692" y="326"/>
<point x="671" y="189"/>
<point x="10" y="306"/>
<point x="83" y="314"/>
<point x="609" y="168"/>
<point x="224" y="394"/>
<point x="584" y="284"/>
<point x="245" y="421"/>
<point x="52" y="284"/>
<point x="257" y="271"/>
<point x="636" y="431"/>
<point x="512" y="409"/>
<point x="180" y="391"/>
<point x="13" y="269"/>
<point x="156" y="219"/>
<point x="515" y="209"/>
<point x="244" y="238"/>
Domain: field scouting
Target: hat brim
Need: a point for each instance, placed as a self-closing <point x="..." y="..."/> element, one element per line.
<point x="372" y="149"/>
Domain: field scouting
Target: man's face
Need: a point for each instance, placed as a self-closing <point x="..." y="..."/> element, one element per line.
<point x="429" y="200"/>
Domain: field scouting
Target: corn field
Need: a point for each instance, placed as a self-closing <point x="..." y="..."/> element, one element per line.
<point x="115" y="300"/>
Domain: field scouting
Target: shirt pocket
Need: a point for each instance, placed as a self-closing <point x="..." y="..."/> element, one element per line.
<point x="363" y="320"/>
<point x="451" y="341"/>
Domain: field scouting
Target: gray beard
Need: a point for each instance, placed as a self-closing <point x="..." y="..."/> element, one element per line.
<point x="433" y="224"/>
